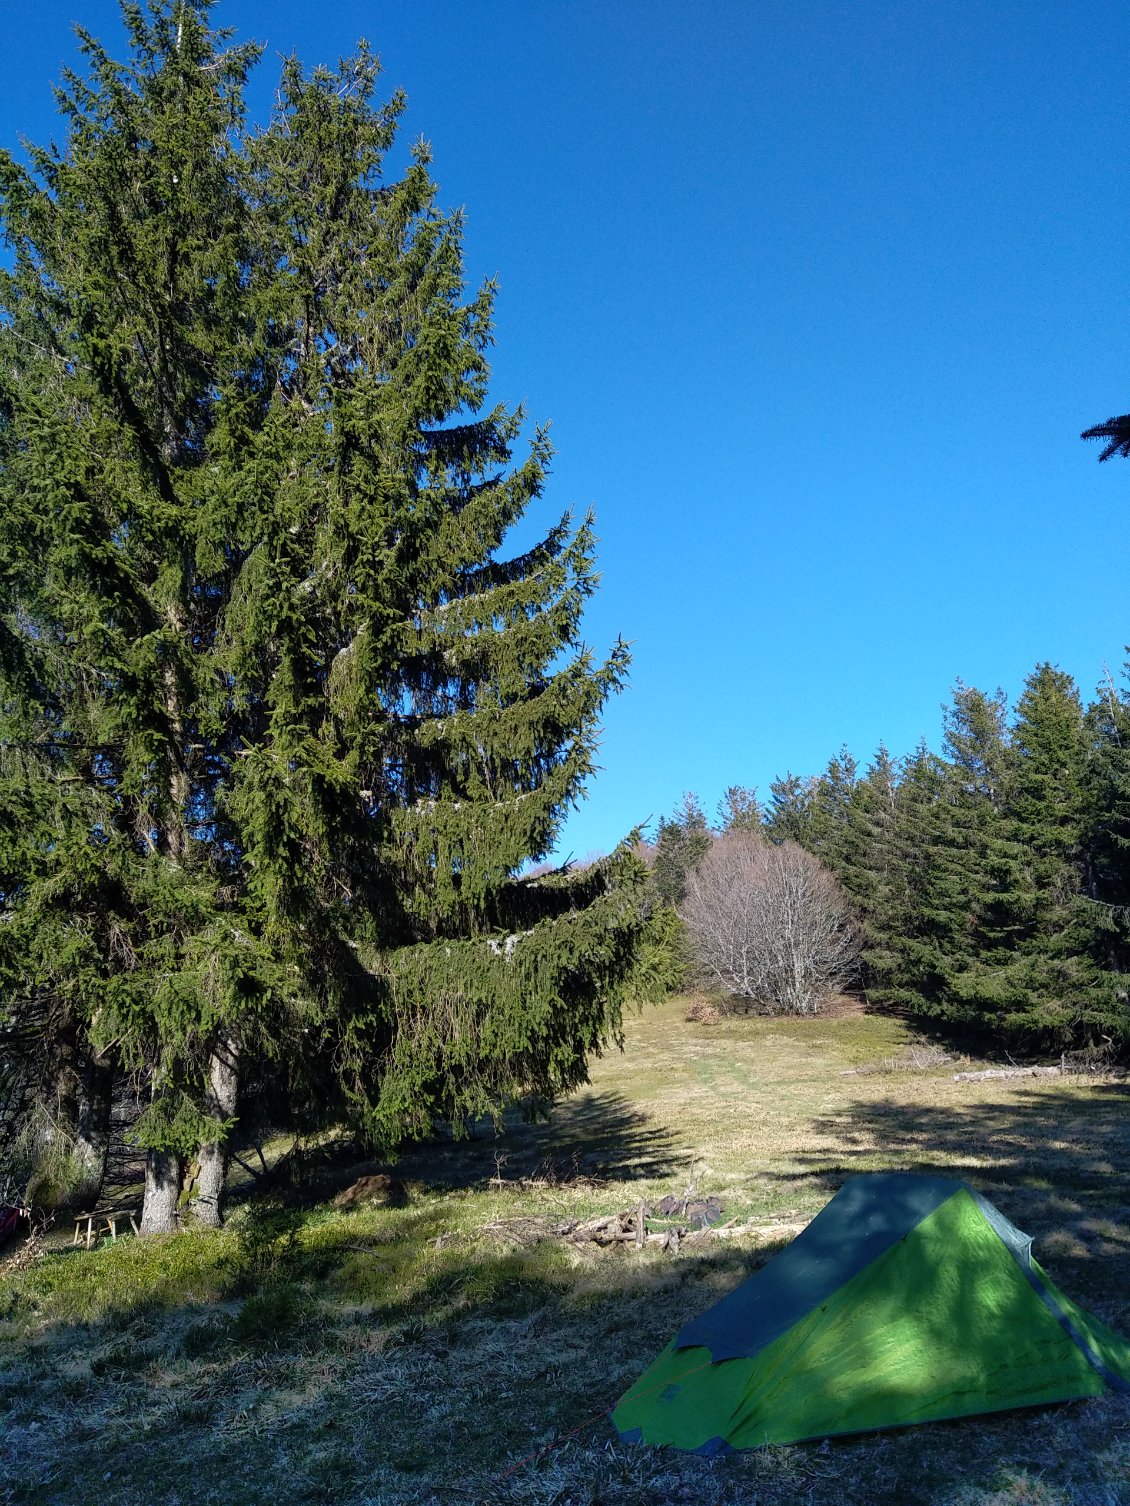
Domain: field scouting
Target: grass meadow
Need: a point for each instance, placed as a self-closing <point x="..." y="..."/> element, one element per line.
<point x="452" y="1348"/>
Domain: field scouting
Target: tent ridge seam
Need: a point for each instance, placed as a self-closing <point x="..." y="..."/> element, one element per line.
<point x="1019" y="1245"/>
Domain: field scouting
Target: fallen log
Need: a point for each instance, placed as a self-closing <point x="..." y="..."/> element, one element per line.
<point x="1008" y="1072"/>
<point x="746" y="1231"/>
<point x="601" y="1230"/>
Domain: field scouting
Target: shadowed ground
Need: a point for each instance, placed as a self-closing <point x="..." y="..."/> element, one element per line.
<point x="424" y="1353"/>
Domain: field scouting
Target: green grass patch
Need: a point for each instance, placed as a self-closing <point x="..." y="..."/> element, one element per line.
<point x="125" y="1277"/>
<point x="456" y="1349"/>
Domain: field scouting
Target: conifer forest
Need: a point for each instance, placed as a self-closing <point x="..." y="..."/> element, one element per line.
<point x="358" y="1147"/>
<point x="287" y="737"/>
<point x="989" y="879"/>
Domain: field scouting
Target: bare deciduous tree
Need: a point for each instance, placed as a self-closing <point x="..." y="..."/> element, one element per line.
<point x="769" y="923"/>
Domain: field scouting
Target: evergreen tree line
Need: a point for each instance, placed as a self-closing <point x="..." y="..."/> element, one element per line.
<point x="991" y="880"/>
<point x="280" y="723"/>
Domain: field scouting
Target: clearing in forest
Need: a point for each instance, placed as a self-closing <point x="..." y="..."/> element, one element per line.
<point x="446" y="1343"/>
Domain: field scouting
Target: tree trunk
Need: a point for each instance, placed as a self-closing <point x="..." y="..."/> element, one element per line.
<point x="212" y="1159"/>
<point x="163" y="1171"/>
<point x="68" y="1080"/>
<point x="92" y="1130"/>
<point x="51" y="1183"/>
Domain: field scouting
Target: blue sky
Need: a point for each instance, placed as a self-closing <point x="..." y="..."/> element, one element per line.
<point x="817" y="297"/>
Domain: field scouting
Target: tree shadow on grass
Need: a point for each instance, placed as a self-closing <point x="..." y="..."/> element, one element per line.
<point x="418" y="1371"/>
<point x="1057" y="1165"/>
<point x="597" y="1134"/>
<point x="350" y="1357"/>
<point x="594" y="1136"/>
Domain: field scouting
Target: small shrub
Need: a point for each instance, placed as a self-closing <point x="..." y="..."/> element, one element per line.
<point x="272" y="1314"/>
<point x="703" y="1011"/>
<point x="267" y="1243"/>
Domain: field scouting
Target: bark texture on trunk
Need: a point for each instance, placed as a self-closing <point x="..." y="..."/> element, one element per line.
<point x="53" y="1184"/>
<point x="92" y="1130"/>
<point x="163" y="1171"/>
<point x="212" y="1160"/>
<point x="68" y="1081"/>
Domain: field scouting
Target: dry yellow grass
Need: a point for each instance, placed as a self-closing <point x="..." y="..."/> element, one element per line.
<point x="453" y="1350"/>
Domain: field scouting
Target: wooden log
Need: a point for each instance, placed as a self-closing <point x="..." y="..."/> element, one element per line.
<point x="1008" y="1072"/>
<point x="741" y="1231"/>
<point x="591" y="1228"/>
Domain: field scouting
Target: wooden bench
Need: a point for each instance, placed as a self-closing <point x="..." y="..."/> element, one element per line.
<point x="102" y="1221"/>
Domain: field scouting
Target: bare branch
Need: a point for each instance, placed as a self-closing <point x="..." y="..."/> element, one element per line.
<point x="769" y="923"/>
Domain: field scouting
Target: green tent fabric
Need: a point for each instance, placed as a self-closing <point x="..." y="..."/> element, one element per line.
<point x="907" y="1299"/>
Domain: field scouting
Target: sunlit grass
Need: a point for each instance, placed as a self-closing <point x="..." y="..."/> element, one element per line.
<point x="454" y="1348"/>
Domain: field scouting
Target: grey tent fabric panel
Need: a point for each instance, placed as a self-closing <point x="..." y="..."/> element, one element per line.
<point x="1017" y="1241"/>
<point x="869" y="1214"/>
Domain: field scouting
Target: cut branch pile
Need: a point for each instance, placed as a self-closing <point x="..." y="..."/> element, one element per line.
<point x="1092" y="1061"/>
<point x="31" y="1250"/>
<point x="630" y="1226"/>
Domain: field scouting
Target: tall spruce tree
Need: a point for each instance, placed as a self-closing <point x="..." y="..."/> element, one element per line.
<point x="681" y="843"/>
<point x="740" y="810"/>
<point x="976" y="869"/>
<point x="790" y="813"/>
<point x="1045" y="982"/>
<point x="976" y="741"/>
<point x="1105" y="887"/>
<point x="866" y="850"/>
<point x="899" y="956"/>
<point x="830" y="808"/>
<point x="1004" y="939"/>
<point x="280" y="723"/>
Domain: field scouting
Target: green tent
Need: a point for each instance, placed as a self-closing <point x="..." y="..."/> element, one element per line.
<point x="908" y="1299"/>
